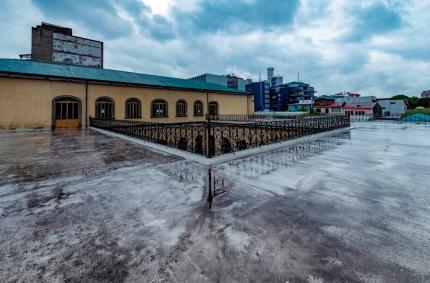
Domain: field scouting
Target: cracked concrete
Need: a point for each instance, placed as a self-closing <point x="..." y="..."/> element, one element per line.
<point x="79" y="206"/>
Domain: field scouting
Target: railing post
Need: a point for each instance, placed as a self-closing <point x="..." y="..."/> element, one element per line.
<point x="210" y="195"/>
<point x="208" y="139"/>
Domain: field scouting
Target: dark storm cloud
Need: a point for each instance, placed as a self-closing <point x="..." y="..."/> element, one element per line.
<point x="102" y="17"/>
<point x="98" y="15"/>
<point x="223" y="15"/>
<point x="376" y="19"/>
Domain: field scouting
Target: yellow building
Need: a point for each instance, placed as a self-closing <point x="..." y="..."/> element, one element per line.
<point x="42" y="95"/>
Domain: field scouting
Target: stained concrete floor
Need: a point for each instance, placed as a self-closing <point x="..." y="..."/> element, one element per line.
<point x="77" y="206"/>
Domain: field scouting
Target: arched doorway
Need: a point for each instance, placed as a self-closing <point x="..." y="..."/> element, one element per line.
<point x="67" y="112"/>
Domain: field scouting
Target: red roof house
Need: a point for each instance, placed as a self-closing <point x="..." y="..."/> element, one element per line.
<point x="368" y="109"/>
<point x="327" y="106"/>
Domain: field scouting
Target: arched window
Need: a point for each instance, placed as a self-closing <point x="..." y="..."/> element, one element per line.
<point x="105" y="108"/>
<point x="181" y="108"/>
<point x="159" y="108"/>
<point x="213" y="108"/>
<point x="133" y="108"/>
<point x="198" y="108"/>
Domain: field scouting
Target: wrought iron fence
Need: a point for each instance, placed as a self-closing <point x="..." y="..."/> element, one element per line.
<point x="216" y="136"/>
<point x="191" y="137"/>
<point x="255" y="117"/>
<point x="233" y="137"/>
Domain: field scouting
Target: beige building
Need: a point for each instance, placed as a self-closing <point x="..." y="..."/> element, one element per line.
<point x="43" y="95"/>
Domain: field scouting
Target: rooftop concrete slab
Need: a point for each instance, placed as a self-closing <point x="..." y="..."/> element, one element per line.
<point x="80" y="206"/>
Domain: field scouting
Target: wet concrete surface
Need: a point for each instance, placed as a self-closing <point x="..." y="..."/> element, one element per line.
<point x="77" y="206"/>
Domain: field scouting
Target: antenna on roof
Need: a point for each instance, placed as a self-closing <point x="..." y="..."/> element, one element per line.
<point x="298" y="76"/>
<point x="259" y="75"/>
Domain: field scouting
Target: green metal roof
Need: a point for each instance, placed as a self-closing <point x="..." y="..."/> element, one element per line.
<point x="35" y="68"/>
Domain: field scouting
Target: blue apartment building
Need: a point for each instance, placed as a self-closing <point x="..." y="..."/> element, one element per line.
<point x="273" y="95"/>
<point x="261" y="95"/>
<point x="279" y="97"/>
<point x="290" y="93"/>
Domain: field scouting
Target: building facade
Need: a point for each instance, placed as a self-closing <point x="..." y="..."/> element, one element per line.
<point x="211" y="78"/>
<point x="55" y="44"/>
<point x="230" y="81"/>
<point x="301" y="106"/>
<point x="261" y="95"/>
<point x="270" y="73"/>
<point x="290" y="93"/>
<point x="276" y="80"/>
<point x="350" y="97"/>
<point x="371" y="109"/>
<point x="392" y="108"/>
<point x="328" y="106"/>
<point x="236" y="82"/>
<point x="274" y="99"/>
<point x="272" y="79"/>
<point x="42" y="95"/>
<point x="425" y="93"/>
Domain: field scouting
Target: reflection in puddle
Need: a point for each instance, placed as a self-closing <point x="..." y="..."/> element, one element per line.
<point x="265" y="163"/>
<point x="183" y="171"/>
<point x="216" y="185"/>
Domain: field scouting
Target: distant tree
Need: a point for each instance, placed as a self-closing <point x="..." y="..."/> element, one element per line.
<point x="413" y="102"/>
<point x="400" y="97"/>
<point x="424" y="102"/>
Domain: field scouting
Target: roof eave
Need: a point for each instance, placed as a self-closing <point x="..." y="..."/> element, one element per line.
<point x="16" y="74"/>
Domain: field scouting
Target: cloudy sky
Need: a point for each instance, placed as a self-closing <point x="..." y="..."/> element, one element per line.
<point x="374" y="47"/>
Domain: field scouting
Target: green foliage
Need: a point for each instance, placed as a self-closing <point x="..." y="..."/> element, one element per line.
<point x="424" y="102"/>
<point x="400" y="97"/>
<point x="414" y="101"/>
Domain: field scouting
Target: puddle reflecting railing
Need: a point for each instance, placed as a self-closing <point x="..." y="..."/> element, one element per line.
<point x="261" y="164"/>
<point x="216" y="186"/>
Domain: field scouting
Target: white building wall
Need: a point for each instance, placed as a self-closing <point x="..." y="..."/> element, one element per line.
<point x="392" y="108"/>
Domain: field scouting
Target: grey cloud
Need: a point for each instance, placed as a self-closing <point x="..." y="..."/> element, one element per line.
<point x="242" y="36"/>
<point x="101" y="17"/>
<point x="238" y="16"/>
<point x="98" y="15"/>
<point x="379" y="18"/>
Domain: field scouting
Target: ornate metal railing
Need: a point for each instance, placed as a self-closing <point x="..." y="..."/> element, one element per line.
<point x="191" y="137"/>
<point x="255" y="117"/>
<point x="233" y="137"/>
<point x="216" y="136"/>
